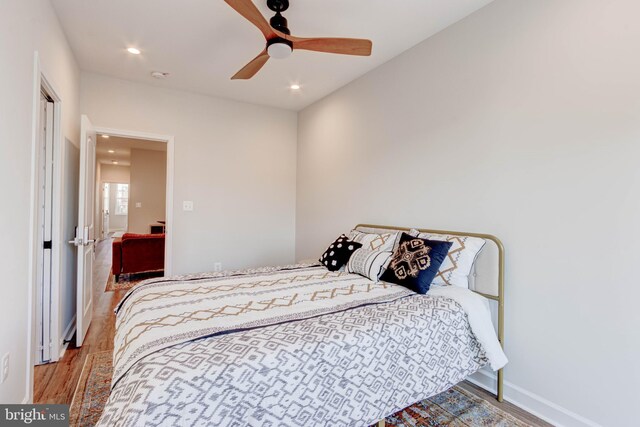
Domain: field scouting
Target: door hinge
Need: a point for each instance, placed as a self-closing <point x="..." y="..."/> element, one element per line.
<point x="47" y="244"/>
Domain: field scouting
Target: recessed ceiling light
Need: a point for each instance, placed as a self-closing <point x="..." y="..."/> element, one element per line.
<point x="105" y="136"/>
<point x="294" y="87"/>
<point x="114" y="162"/>
<point x="159" y="75"/>
<point x="111" y="151"/>
<point x="133" y="51"/>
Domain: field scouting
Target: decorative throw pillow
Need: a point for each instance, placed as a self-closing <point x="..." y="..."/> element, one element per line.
<point x="374" y="241"/>
<point x="415" y="263"/>
<point x="457" y="266"/>
<point x="338" y="253"/>
<point x="369" y="263"/>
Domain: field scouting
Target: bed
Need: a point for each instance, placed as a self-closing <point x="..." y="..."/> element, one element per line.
<point x="298" y="345"/>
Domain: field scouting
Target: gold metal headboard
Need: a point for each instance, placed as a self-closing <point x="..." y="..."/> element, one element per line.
<point x="499" y="298"/>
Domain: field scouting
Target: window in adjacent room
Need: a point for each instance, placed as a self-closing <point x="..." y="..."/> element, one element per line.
<point x="122" y="199"/>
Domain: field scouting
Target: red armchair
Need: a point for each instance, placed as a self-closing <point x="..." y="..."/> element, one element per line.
<point x="137" y="253"/>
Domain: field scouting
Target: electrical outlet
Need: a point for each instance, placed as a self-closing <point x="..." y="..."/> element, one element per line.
<point x="187" y="205"/>
<point x="138" y="204"/>
<point x="5" y="367"/>
<point x="217" y="266"/>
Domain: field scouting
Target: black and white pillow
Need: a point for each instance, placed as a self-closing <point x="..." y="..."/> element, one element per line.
<point x="416" y="262"/>
<point x="338" y="253"/>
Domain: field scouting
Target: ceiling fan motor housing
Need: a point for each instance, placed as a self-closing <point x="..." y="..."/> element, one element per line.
<point x="280" y="23"/>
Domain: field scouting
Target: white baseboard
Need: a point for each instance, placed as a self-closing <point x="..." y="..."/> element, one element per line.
<point x="532" y="403"/>
<point x="67" y="335"/>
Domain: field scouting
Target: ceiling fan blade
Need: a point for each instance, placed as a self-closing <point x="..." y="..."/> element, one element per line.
<point x="252" y="67"/>
<point x="360" y="47"/>
<point x="250" y="12"/>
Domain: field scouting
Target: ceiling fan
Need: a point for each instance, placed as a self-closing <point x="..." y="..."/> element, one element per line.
<point x="280" y="42"/>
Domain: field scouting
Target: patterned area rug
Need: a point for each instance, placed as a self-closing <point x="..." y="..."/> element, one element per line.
<point x="128" y="281"/>
<point x="453" y="408"/>
<point x="92" y="391"/>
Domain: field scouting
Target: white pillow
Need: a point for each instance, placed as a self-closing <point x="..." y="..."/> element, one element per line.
<point x="462" y="255"/>
<point x="369" y="263"/>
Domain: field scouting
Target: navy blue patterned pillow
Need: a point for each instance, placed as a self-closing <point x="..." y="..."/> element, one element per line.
<point x="416" y="262"/>
<point x="338" y="253"/>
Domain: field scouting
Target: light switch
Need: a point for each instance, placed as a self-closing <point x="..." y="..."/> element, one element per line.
<point x="138" y="204"/>
<point x="187" y="205"/>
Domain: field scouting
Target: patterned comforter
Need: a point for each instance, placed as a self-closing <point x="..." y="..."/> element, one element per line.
<point x="293" y="346"/>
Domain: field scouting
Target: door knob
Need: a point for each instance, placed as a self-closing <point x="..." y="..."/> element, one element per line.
<point x="76" y="241"/>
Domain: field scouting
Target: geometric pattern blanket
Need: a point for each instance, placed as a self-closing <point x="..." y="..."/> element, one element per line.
<point x="165" y="312"/>
<point x="347" y="366"/>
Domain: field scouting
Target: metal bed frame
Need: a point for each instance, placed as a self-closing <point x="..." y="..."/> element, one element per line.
<point x="499" y="298"/>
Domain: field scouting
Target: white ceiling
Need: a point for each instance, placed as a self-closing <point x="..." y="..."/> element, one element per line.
<point x="202" y="43"/>
<point x="121" y="148"/>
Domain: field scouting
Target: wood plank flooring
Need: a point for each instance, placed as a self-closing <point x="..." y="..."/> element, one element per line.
<point x="56" y="382"/>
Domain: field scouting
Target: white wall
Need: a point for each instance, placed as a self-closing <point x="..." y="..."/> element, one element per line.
<point x="235" y="161"/>
<point x="25" y="26"/>
<point x="522" y="120"/>
<point x="148" y="187"/>
<point x="115" y="173"/>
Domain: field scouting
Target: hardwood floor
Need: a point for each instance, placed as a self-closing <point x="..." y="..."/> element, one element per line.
<point x="56" y="382"/>
<point x="510" y="408"/>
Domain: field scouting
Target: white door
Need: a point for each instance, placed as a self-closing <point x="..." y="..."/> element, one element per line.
<point x="45" y="192"/>
<point x="85" y="234"/>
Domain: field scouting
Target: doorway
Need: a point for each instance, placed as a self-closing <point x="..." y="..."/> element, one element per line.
<point x="132" y="194"/>
<point x="131" y="189"/>
<point x="44" y="217"/>
<point x="114" y="209"/>
<point x="51" y="293"/>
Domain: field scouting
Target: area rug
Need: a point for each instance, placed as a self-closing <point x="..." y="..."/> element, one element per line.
<point x="128" y="281"/>
<point x="92" y="391"/>
<point x="453" y="408"/>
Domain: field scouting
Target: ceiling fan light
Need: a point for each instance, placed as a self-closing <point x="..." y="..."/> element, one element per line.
<point x="279" y="50"/>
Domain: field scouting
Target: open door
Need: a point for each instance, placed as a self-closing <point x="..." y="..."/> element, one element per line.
<point x="85" y="233"/>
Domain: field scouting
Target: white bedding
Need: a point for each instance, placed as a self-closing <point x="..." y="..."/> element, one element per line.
<point x="477" y="308"/>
